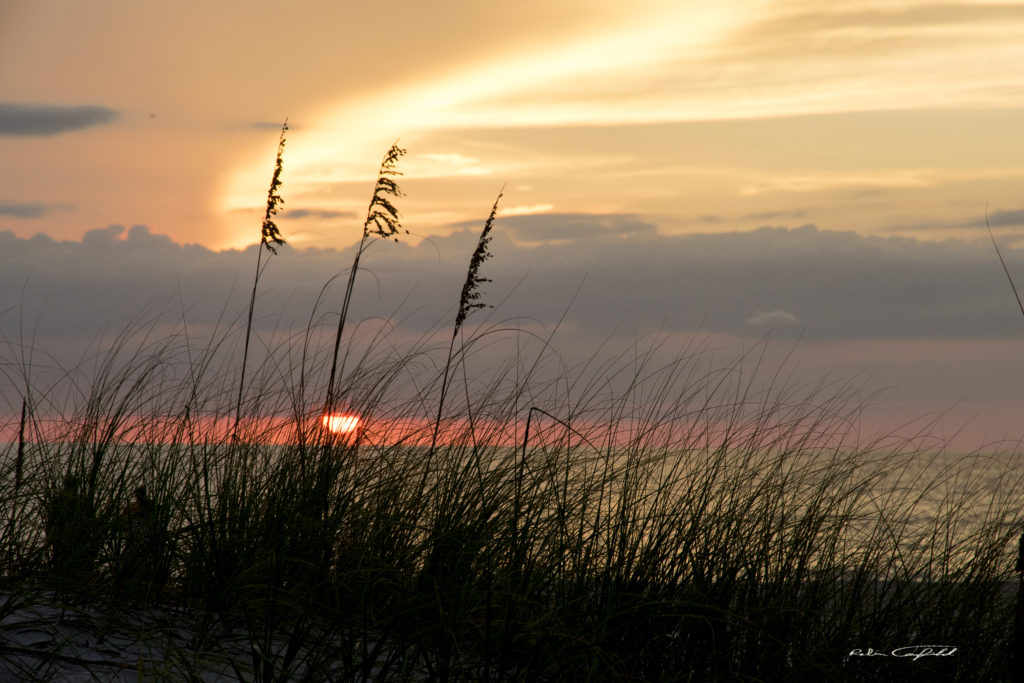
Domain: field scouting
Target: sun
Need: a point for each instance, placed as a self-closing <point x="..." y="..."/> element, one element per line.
<point x="341" y="424"/>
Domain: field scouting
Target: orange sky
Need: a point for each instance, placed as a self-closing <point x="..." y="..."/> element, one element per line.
<point x="878" y="117"/>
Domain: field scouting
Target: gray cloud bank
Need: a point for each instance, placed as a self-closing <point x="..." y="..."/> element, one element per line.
<point x="822" y="285"/>
<point x="40" y="120"/>
<point x="935" y="321"/>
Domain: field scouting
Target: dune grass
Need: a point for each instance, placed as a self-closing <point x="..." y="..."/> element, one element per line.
<point x="632" y="519"/>
<point x="694" y="525"/>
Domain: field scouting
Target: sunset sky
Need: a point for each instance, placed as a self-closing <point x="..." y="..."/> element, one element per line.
<point x="810" y="169"/>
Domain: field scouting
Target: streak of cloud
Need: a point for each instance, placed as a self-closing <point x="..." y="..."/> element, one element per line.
<point x="43" y="120"/>
<point x="318" y="214"/>
<point x="28" y="209"/>
<point x="776" y="317"/>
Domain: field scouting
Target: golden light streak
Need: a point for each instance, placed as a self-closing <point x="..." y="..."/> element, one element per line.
<point x="342" y="142"/>
<point x="525" y="210"/>
<point x="660" y="63"/>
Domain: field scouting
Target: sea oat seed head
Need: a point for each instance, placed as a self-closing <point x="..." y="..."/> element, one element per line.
<point x="382" y="218"/>
<point x="470" y="299"/>
<point x="271" y="235"/>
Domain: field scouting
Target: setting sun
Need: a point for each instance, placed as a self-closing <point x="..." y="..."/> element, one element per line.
<point x="338" y="423"/>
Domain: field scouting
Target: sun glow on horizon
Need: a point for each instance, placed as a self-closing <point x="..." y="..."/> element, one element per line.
<point x="340" y="423"/>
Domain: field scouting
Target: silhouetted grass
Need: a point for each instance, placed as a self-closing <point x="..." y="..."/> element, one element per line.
<point x="382" y="222"/>
<point x="634" y="519"/>
<point x="712" y="529"/>
<point x="270" y="238"/>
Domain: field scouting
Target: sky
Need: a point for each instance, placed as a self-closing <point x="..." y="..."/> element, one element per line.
<point x="815" y="172"/>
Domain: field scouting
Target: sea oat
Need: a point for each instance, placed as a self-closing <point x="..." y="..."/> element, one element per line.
<point x="469" y="301"/>
<point x="382" y="221"/>
<point x="382" y="218"/>
<point x="271" y="236"/>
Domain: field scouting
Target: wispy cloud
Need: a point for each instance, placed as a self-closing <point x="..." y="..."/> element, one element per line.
<point x="1014" y="217"/>
<point x="317" y="214"/>
<point x="803" y="183"/>
<point x="444" y="164"/>
<point x="269" y="126"/>
<point x="1004" y="218"/>
<point x="713" y="219"/>
<point x="29" y="209"/>
<point x="743" y="61"/>
<point x="774" y="318"/>
<point x="733" y="93"/>
<point x="40" y="120"/>
<point x="534" y="226"/>
<point x="523" y="210"/>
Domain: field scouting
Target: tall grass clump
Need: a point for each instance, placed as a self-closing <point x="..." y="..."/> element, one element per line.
<point x="662" y="519"/>
<point x="650" y="514"/>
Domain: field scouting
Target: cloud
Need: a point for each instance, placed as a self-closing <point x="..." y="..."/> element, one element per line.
<point x="772" y="318"/>
<point x="445" y="164"/>
<point x="713" y="219"/>
<point x="844" y="286"/>
<point x="774" y="215"/>
<point x="28" y="209"/>
<point x="40" y="120"/>
<point x="267" y="126"/>
<point x="556" y="227"/>
<point x="317" y="214"/>
<point x="1006" y="218"/>
<point x="922" y="17"/>
<point x="893" y="309"/>
<point x="524" y="209"/>
<point x="1009" y="218"/>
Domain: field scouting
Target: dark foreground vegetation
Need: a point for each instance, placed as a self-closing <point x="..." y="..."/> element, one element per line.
<point x="702" y="533"/>
<point x="634" y="519"/>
